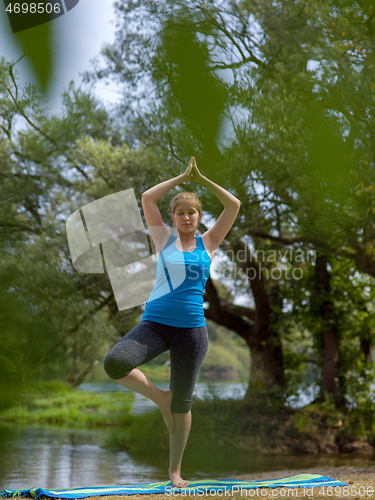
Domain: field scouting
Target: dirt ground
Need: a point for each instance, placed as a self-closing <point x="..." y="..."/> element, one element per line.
<point x="360" y="480"/>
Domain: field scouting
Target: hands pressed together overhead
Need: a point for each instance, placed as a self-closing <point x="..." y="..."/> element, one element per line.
<point x="192" y="173"/>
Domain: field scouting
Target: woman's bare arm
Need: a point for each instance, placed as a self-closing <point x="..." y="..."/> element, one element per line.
<point x="158" y="230"/>
<point x="217" y="233"/>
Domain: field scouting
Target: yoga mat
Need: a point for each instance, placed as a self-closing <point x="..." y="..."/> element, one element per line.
<point x="203" y="488"/>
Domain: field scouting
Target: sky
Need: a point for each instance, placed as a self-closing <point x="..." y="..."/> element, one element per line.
<point x="80" y="34"/>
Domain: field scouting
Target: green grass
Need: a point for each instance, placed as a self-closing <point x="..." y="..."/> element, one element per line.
<point x="230" y="426"/>
<point x="57" y="403"/>
<point x="156" y="373"/>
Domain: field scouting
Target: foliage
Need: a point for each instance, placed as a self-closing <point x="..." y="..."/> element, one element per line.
<point x="237" y="427"/>
<point x="42" y="304"/>
<point x="299" y="76"/>
<point x="302" y="74"/>
<point x="38" y="46"/>
<point x="352" y="296"/>
<point x="226" y="351"/>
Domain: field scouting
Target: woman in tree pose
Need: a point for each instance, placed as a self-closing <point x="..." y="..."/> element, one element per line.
<point x="173" y="318"/>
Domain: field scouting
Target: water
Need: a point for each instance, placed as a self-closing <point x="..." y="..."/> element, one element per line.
<point x="223" y="390"/>
<point x="141" y="404"/>
<point x="57" y="457"/>
<point x="60" y="457"/>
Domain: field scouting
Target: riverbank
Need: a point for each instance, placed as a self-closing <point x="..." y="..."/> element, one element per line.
<point x="220" y="426"/>
<point x="234" y="426"/>
<point x="55" y="403"/>
<point x="227" y="435"/>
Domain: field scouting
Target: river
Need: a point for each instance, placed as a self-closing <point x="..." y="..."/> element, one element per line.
<point x="60" y="457"/>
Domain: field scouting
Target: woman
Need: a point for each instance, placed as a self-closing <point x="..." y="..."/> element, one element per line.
<point x="174" y="318"/>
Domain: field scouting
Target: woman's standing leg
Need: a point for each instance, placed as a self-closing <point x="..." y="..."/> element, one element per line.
<point x="188" y="350"/>
<point x="177" y="444"/>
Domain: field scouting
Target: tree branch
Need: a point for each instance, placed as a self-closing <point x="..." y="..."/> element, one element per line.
<point x="77" y="326"/>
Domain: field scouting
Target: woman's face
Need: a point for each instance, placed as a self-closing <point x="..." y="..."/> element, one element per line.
<point x="186" y="217"/>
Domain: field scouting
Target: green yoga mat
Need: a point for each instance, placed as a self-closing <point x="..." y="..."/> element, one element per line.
<point x="223" y="487"/>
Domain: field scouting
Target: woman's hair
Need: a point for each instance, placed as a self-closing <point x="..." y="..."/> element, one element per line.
<point x="186" y="196"/>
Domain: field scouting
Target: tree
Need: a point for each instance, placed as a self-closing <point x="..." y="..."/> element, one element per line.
<point x="305" y="143"/>
<point x="44" y="302"/>
<point x="332" y="303"/>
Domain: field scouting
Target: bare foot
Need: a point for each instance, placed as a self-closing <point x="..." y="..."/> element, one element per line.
<point x="177" y="481"/>
<point x="165" y="408"/>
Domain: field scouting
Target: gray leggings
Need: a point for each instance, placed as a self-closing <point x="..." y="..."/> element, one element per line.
<point x="188" y="347"/>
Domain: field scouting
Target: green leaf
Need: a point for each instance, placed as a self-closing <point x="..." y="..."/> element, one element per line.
<point x="38" y="45"/>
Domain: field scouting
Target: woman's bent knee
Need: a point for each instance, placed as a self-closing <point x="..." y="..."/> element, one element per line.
<point x="115" y="368"/>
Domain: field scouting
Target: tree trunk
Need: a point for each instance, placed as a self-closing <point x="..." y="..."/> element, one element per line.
<point x="329" y="335"/>
<point x="257" y="327"/>
<point x="265" y="344"/>
<point x="365" y="338"/>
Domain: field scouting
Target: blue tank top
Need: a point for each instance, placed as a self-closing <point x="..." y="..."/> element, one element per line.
<point x="177" y="297"/>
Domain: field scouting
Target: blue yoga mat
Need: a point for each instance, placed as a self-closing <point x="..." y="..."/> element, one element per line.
<point x="202" y="488"/>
